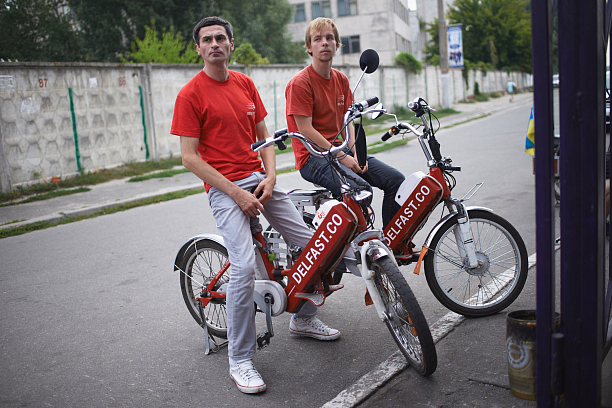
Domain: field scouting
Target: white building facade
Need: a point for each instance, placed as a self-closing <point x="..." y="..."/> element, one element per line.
<point x="387" y="26"/>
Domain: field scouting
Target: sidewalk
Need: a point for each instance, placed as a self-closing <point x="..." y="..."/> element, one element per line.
<point x="117" y="192"/>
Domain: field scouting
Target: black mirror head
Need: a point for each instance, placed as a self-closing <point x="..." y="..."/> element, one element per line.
<point x="369" y="61"/>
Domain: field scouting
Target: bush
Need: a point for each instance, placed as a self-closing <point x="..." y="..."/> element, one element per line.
<point x="494" y="95"/>
<point x="246" y="54"/>
<point x="409" y="62"/>
<point x="476" y="88"/>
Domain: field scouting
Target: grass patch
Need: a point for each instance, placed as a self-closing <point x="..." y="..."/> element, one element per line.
<point x="469" y="120"/>
<point x="10" y="232"/>
<point x="159" y="174"/>
<point x="481" y="97"/>
<point x="495" y="95"/>
<point x="93" y="178"/>
<point x="381" y="147"/>
<point x="12" y="222"/>
<point x="381" y="125"/>
<point x="49" y="195"/>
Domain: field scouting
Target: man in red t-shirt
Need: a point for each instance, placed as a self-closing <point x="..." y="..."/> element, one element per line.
<point x="317" y="99"/>
<point x="218" y="115"/>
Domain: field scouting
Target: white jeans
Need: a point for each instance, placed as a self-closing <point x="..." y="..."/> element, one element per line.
<point x="235" y="228"/>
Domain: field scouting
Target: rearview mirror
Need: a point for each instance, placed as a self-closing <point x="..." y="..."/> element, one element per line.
<point x="368" y="61"/>
<point x="376" y="115"/>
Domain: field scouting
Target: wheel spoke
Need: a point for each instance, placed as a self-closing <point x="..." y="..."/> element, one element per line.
<point x="499" y="275"/>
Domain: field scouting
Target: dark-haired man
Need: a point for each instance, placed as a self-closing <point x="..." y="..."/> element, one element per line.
<point x="218" y="115"/>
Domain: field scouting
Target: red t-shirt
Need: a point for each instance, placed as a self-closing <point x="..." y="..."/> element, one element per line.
<point x="324" y="100"/>
<point x="223" y="115"/>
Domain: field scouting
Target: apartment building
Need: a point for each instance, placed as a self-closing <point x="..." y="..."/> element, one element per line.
<point x="387" y="26"/>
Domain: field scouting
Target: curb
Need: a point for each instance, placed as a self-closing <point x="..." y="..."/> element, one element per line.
<point x="58" y="217"/>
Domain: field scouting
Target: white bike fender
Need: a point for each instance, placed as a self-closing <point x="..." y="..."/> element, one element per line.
<point x="193" y="240"/>
<point x="435" y="229"/>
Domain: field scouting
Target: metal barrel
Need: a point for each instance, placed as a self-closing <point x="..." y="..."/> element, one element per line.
<point x="521" y="344"/>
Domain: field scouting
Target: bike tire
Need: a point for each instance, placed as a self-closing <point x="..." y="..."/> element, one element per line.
<point x="489" y="288"/>
<point x="406" y="321"/>
<point x="200" y="264"/>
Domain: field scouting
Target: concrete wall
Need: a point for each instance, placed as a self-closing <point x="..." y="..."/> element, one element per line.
<point x="39" y="137"/>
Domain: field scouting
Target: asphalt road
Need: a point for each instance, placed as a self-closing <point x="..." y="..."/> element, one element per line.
<point x="92" y="313"/>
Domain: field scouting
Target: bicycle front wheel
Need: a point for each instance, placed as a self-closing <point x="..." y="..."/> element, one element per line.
<point x="405" y="319"/>
<point x="201" y="263"/>
<point x="497" y="280"/>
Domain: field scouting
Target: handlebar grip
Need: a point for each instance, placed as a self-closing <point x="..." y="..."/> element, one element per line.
<point x="387" y="135"/>
<point x="367" y="103"/>
<point x="257" y="144"/>
<point x="453" y="168"/>
<point x="372" y="101"/>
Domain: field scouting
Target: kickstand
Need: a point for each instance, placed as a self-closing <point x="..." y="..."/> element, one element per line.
<point x="207" y="336"/>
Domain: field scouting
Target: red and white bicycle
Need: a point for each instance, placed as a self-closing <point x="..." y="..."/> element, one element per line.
<point x="475" y="261"/>
<point x="288" y="278"/>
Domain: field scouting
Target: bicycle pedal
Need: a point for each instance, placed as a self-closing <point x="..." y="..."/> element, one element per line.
<point x="317" y="299"/>
<point x="263" y="339"/>
<point x="333" y="288"/>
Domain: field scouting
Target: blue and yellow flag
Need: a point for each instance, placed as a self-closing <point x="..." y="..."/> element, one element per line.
<point x="530" y="141"/>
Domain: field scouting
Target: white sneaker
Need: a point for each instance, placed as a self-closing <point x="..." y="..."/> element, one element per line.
<point x="247" y="378"/>
<point x="312" y="327"/>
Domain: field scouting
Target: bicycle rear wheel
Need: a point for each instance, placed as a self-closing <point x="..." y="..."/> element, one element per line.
<point x="405" y="318"/>
<point x="201" y="263"/>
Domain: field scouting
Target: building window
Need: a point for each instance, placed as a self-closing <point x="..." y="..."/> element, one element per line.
<point x="300" y="13"/>
<point x="401" y="11"/>
<point x="350" y="45"/>
<point x="321" y="9"/>
<point x="347" y="7"/>
<point x="402" y="44"/>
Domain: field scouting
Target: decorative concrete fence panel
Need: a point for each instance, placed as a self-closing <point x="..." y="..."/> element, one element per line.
<point x="58" y="119"/>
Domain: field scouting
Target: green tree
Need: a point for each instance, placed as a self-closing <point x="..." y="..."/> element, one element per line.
<point x="497" y="32"/>
<point x="37" y="30"/>
<point x="262" y="23"/>
<point x="432" y="48"/>
<point x="170" y="49"/>
<point x="246" y="54"/>
<point x="108" y="27"/>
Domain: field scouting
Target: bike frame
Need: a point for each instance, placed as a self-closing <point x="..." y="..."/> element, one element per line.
<point x="309" y="277"/>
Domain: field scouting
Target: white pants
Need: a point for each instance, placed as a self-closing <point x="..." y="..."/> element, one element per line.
<point x="235" y="228"/>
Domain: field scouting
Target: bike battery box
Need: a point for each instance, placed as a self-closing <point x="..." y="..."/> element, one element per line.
<point x="333" y="236"/>
<point x="418" y="196"/>
<point x="410" y="183"/>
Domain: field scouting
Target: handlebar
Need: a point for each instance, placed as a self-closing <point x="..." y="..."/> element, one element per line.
<point x="356" y="110"/>
<point x="419" y="106"/>
<point x="366" y="104"/>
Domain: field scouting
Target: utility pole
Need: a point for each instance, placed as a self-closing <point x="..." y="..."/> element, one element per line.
<point x="445" y="77"/>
